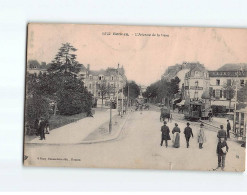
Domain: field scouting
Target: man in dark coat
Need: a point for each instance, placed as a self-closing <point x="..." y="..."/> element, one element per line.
<point x="228" y="128"/>
<point x="165" y="134"/>
<point x="221" y="150"/>
<point x="42" y="129"/>
<point x="36" y="127"/>
<point x="222" y="133"/>
<point x="188" y="133"/>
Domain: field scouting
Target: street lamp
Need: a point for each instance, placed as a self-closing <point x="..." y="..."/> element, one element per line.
<point x="110" y="123"/>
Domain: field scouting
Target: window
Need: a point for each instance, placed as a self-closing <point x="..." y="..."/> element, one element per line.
<point x="224" y="93"/>
<point x="100" y="78"/>
<point x="214" y="93"/>
<point x="220" y="93"/>
<point x="196" y="83"/>
<point x="90" y="77"/>
<point x="218" y="82"/>
<point x="217" y="93"/>
<point x="197" y="73"/>
<point x="112" y="78"/>
<point x="229" y="82"/>
<point x="242" y="83"/>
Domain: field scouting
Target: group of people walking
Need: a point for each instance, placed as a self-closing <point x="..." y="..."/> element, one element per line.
<point x="176" y="135"/>
<point x="42" y="127"/>
<point x="222" y="135"/>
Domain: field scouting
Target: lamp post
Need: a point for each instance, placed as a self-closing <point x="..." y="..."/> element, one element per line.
<point x="110" y="123"/>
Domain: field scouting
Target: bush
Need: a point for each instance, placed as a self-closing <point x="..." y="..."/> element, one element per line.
<point x="73" y="97"/>
<point x="36" y="107"/>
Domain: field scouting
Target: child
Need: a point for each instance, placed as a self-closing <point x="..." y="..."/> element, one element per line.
<point x="222" y="149"/>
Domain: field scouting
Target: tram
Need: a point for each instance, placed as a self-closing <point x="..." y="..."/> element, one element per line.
<point x="196" y="110"/>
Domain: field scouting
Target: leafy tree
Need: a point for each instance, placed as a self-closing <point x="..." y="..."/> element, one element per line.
<point x="131" y="89"/>
<point x="65" y="60"/>
<point x="104" y="89"/>
<point x="163" y="90"/>
<point x="229" y="87"/>
<point x="61" y="84"/>
<point x="33" y="64"/>
<point x="242" y="96"/>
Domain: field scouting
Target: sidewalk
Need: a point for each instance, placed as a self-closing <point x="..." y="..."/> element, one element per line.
<point x="102" y="134"/>
<point x="76" y="132"/>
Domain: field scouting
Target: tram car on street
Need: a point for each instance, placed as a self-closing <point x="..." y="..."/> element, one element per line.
<point x="192" y="111"/>
<point x="196" y="110"/>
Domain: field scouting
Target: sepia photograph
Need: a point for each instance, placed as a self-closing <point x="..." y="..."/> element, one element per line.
<point x="135" y="97"/>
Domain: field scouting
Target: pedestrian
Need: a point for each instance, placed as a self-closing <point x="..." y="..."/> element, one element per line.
<point x="201" y="136"/>
<point x="176" y="136"/>
<point x="222" y="133"/>
<point x="36" y="126"/>
<point x="165" y="134"/>
<point x="228" y="128"/>
<point x="210" y="115"/>
<point x="42" y="129"/>
<point x="188" y="133"/>
<point x="221" y="150"/>
<point x="47" y="127"/>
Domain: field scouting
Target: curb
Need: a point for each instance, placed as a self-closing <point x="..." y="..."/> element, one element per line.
<point x="85" y="142"/>
<point x="107" y="139"/>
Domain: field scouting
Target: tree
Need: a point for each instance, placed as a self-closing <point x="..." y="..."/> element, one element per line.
<point x="242" y="96"/>
<point x="61" y="84"/>
<point x="33" y="64"/>
<point x="104" y="89"/>
<point x="65" y="60"/>
<point x="131" y="89"/>
<point x="229" y="88"/>
<point x="163" y="90"/>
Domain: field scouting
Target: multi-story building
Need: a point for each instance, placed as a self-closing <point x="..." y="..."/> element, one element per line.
<point x="108" y="82"/>
<point x="196" y="81"/>
<point x="218" y="82"/>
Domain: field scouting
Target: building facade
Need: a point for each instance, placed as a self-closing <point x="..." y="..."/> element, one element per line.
<point x="106" y="83"/>
<point x="219" y="80"/>
<point x="196" y="81"/>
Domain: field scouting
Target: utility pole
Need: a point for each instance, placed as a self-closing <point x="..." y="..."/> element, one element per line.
<point x="110" y="123"/>
<point x="128" y="96"/>
<point x="117" y="83"/>
<point x="122" y="101"/>
<point x="236" y="99"/>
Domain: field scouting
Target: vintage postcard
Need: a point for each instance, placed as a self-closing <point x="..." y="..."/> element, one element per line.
<point x="136" y="97"/>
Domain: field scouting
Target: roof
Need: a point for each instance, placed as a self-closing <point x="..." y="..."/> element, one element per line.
<point x="227" y="73"/>
<point x="107" y="72"/>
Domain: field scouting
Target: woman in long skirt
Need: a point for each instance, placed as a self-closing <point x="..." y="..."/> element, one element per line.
<point x="176" y="136"/>
<point x="201" y="136"/>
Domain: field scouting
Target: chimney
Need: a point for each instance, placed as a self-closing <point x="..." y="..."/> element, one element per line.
<point x="88" y="67"/>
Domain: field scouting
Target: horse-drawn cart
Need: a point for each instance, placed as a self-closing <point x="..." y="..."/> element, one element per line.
<point x="165" y="113"/>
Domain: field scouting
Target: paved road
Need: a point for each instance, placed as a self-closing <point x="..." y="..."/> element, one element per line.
<point x="138" y="147"/>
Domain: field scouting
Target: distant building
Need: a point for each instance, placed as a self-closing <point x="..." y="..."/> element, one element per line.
<point x="196" y="81"/>
<point x="219" y="79"/>
<point x="109" y="77"/>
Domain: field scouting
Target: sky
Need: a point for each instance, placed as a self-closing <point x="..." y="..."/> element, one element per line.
<point x="145" y="58"/>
